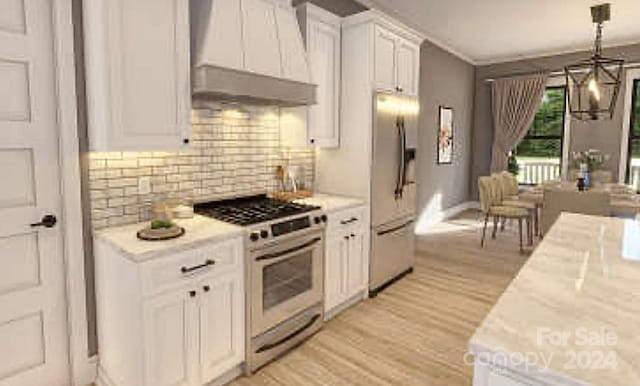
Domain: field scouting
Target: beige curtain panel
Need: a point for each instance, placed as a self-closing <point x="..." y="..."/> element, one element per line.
<point x="515" y="101"/>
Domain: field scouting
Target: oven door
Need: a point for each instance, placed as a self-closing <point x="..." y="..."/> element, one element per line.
<point x="286" y="279"/>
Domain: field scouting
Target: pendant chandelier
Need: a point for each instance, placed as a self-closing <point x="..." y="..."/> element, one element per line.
<point x="593" y="84"/>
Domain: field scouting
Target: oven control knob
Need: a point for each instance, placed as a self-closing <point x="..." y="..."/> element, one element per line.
<point x="264" y="234"/>
<point x="324" y="218"/>
<point x="254" y="236"/>
<point x="317" y="220"/>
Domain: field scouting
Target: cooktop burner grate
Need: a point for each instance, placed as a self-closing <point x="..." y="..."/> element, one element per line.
<point x="251" y="210"/>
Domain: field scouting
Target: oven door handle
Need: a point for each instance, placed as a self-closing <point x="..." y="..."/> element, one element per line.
<point x="288" y="251"/>
<point x="287" y="338"/>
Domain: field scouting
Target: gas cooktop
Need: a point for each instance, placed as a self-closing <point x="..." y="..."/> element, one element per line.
<point x="251" y="210"/>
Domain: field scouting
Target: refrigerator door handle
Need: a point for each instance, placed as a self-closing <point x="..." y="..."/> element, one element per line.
<point x="399" y="130"/>
<point x="401" y="163"/>
<point x="395" y="229"/>
<point x="404" y="156"/>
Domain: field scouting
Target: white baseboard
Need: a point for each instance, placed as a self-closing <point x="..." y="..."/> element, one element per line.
<point x="228" y="377"/>
<point x="357" y="298"/>
<point x="88" y="373"/>
<point x="103" y="379"/>
<point x="423" y="225"/>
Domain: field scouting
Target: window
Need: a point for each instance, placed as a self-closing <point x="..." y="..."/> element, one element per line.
<point x="633" y="155"/>
<point x="539" y="154"/>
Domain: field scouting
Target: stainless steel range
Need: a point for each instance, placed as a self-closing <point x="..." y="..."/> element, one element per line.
<point x="285" y="250"/>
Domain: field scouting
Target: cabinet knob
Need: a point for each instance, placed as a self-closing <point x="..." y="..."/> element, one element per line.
<point x="185" y="141"/>
<point x="312" y="141"/>
<point x="192" y="293"/>
<point x="352" y="235"/>
<point x="206" y="288"/>
<point x="346" y="237"/>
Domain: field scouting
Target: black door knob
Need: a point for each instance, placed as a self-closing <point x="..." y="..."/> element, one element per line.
<point x="48" y="221"/>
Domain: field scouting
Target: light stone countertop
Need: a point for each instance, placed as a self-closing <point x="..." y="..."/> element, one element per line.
<point x="199" y="230"/>
<point x="331" y="203"/>
<point x="576" y="302"/>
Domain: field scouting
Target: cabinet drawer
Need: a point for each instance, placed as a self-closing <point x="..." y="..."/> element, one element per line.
<point x="340" y="220"/>
<point x="183" y="267"/>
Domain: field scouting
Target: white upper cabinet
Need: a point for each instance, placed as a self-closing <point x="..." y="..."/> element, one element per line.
<point x="396" y="62"/>
<point x="407" y="68"/>
<point x="385" y="69"/>
<point x="138" y="74"/>
<point x="318" y="125"/>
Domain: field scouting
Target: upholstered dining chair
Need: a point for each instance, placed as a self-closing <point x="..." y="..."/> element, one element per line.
<point x="509" y="196"/>
<point x="490" y="203"/>
<point x="557" y="201"/>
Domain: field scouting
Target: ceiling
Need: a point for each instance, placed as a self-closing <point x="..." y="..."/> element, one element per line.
<point x="491" y="31"/>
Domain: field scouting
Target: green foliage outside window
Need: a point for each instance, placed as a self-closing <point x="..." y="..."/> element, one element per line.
<point x="544" y="138"/>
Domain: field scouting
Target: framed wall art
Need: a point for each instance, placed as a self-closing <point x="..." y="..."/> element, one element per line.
<point x="445" y="135"/>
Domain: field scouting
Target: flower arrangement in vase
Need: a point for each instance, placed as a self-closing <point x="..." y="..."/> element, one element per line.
<point x="592" y="158"/>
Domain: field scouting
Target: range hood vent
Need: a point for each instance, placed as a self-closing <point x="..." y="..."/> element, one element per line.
<point x="249" y="51"/>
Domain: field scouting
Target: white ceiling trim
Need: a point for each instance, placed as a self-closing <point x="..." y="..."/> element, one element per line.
<point x="552" y="53"/>
<point x="402" y="19"/>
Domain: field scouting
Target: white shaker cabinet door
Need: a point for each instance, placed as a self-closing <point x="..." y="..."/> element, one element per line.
<point x="357" y="264"/>
<point x="335" y="270"/>
<point x="385" y="60"/>
<point x="171" y="339"/>
<point x="408" y="59"/>
<point x="260" y="34"/>
<point x="324" y="58"/>
<point x="138" y="74"/>
<point x="221" y="325"/>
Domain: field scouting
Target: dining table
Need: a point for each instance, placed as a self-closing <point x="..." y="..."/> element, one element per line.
<point x="625" y="200"/>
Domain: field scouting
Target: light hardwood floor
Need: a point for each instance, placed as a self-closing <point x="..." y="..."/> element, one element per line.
<point x="415" y="332"/>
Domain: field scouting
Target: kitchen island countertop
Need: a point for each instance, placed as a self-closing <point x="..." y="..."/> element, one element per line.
<point x="573" y="309"/>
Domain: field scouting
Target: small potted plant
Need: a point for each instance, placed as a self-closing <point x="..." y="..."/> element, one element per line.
<point x="512" y="164"/>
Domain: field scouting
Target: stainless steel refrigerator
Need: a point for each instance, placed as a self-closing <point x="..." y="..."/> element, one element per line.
<point x="393" y="189"/>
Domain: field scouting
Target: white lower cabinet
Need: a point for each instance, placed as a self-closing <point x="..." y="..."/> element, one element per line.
<point x="170" y="339"/>
<point x="177" y="320"/>
<point x="346" y="261"/>
<point x="221" y="317"/>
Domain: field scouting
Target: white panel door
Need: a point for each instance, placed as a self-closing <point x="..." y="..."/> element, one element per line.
<point x="260" y="38"/>
<point x="221" y="325"/>
<point x="293" y="55"/>
<point x="150" y="84"/>
<point x="324" y="59"/>
<point x="33" y="343"/>
<point x="357" y="265"/>
<point x="335" y="270"/>
<point x="385" y="60"/>
<point x="408" y="57"/>
<point x="171" y="339"/>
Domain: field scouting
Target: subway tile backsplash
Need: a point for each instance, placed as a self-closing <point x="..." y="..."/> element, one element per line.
<point x="234" y="151"/>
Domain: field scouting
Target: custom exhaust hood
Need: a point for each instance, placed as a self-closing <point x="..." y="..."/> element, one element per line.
<point x="249" y="51"/>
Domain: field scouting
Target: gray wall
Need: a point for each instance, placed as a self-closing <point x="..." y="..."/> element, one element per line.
<point x="444" y="80"/>
<point x="603" y="135"/>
